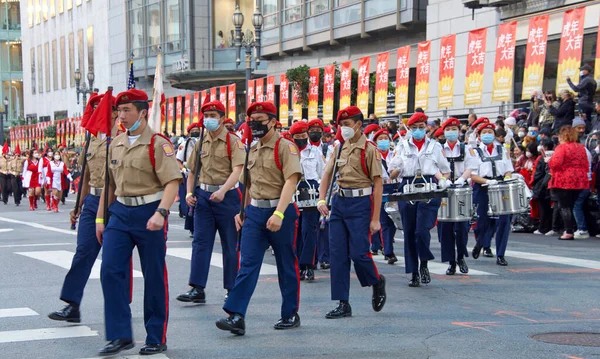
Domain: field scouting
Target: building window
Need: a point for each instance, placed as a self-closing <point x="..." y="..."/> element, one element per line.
<point x="45" y="10"/>
<point x="292" y="11"/>
<point x="54" y="66"/>
<point x="224" y="31"/>
<point x="32" y="56"/>
<point x="136" y="28"/>
<point x="10" y="16"/>
<point x="315" y="7"/>
<point x="10" y="56"/>
<point x="270" y="13"/>
<point x="63" y="64"/>
<point x="173" y="26"/>
<point x="153" y="16"/>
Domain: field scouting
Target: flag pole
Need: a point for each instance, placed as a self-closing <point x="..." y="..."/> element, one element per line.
<point x="106" y="175"/>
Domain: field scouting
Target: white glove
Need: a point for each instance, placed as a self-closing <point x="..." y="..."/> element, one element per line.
<point x="443" y="183"/>
<point x="491" y="182"/>
<point x="460" y="181"/>
<point x="70" y="177"/>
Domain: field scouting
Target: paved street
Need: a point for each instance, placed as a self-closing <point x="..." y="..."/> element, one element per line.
<point x="549" y="286"/>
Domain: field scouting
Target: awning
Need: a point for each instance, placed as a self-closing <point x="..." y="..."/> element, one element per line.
<point x="203" y="79"/>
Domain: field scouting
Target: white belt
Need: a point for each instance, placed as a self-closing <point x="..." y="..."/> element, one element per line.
<point x="361" y="192"/>
<point x="264" y="203"/>
<point x="214" y="188"/>
<point x="391" y="181"/>
<point x="140" y="200"/>
<point x="95" y="191"/>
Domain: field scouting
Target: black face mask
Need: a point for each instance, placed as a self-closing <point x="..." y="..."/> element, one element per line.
<point x="442" y="141"/>
<point x="315" y="136"/>
<point x="259" y="130"/>
<point x="195" y="134"/>
<point x="301" y="142"/>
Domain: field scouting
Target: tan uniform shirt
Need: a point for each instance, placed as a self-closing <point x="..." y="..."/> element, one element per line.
<point x="216" y="164"/>
<point x="15" y="167"/>
<point x="266" y="179"/>
<point x="131" y="170"/>
<point x="3" y="165"/>
<point x="350" y="166"/>
<point x="96" y="159"/>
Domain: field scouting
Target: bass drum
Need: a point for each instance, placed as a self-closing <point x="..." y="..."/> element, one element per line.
<point x="458" y="207"/>
<point x="508" y="198"/>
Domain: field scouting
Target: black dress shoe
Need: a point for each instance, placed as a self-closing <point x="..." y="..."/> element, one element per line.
<point x="391" y="259"/>
<point x="310" y="274"/>
<point x="325" y="265"/>
<point x="343" y="310"/>
<point x="462" y="265"/>
<point x="116" y="346"/>
<point x="303" y="274"/>
<point x="69" y="314"/>
<point x="379" y="295"/>
<point x="451" y="269"/>
<point x="501" y="261"/>
<point x="234" y="323"/>
<point x="149" y="349"/>
<point x="194" y="295"/>
<point x="476" y="251"/>
<point x="288" y="323"/>
<point x="425" y="276"/>
<point x="375" y="252"/>
<point x="487" y="252"/>
<point x="414" y="281"/>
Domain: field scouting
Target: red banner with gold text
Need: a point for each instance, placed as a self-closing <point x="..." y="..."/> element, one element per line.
<point x="284" y="100"/>
<point x="535" y="57"/>
<point x="446" y="80"/>
<point x="345" y="84"/>
<point x="571" y="45"/>
<point x="402" y="77"/>
<point x="364" y="80"/>
<point x="505" y="62"/>
<point x="475" y="66"/>
<point x="422" y="78"/>
<point x="381" y="83"/>
<point x="271" y="89"/>
<point x="328" y="91"/>
<point x="313" y="93"/>
<point x="231" y="113"/>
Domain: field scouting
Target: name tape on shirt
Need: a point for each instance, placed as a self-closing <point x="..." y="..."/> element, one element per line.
<point x="168" y="149"/>
<point x="293" y="149"/>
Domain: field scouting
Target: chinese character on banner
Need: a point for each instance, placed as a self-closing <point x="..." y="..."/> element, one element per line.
<point x="195" y="107"/>
<point x="422" y="80"/>
<point x="381" y="84"/>
<point x="259" y="91"/>
<point x="223" y="95"/>
<point x="231" y="89"/>
<point x="250" y="93"/>
<point x="345" y="84"/>
<point x="571" y="45"/>
<point x="178" y="109"/>
<point x="364" y="82"/>
<point x="170" y="113"/>
<point x="213" y="94"/>
<point x="203" y="95"/>
<point x="284" y="99"/>
<point x="271" y="89"/>
<point x="402" y="77"/>
<point x="505" y="62"/>
<point x="535" y="56"/>
<point x="187" y="111"/>
<point x="446" y="79"/>
<point x="313" y="93"/>
<point x="328" y="92"/>
<point x="475" y="66"/>
<point x="296" y="107"/>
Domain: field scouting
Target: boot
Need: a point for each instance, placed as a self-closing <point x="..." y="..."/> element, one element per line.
<point x="31" y="207"/>
<point x="55" y="204"/>
<point x="49" y="203"/>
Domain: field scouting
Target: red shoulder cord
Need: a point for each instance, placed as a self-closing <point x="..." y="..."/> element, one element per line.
<point x="276" y="153"/>
<point x="152" y="140"/>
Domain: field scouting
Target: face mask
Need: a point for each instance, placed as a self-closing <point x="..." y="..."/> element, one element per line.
<point x="259" y="130"/>
<point x="532" y="133"/>
<point x="521" y="134"/>
<point x="315" y="136"/>
<point x="211" y="124"/>
<point x="487" y="138"/>
<point x="442" y="141"/>
<point x="50" y="154"/>
<point x="57" y="157"/>
<point x="581" y="73"/>
<point x="36" y="155"/>
<point x="195" y="134"/>
<point x="418" y="133"/>
<point x="301" y="142"/>
<point x="451" y="136"/>
<point x="383" y="145"/>
<point x="347" y="132"/>
<point x="136" y="125"/>
<point x="528" y="154"/>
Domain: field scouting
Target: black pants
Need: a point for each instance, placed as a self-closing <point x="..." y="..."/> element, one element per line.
<point x="566" y="201"/>
<point x="6" y="187"/>
<point x="16" y="188"/>
<point x="545" y="206"/>
<point x="65" y="193"/>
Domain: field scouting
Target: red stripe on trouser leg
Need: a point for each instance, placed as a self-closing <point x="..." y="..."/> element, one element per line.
<point x="369" y="254"/>
<point x="130" y="280"/>
<point x="166" y="283"/>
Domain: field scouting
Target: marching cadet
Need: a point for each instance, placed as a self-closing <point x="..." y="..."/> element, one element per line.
<point x="473" y="139"/>
<point x="229" y="125"/>
<point x="492" y="165"/>
<point x="183" y="155"/>
<point x="418" y="160"/>
<point x="4" y="179"/>
<point x="15" y="165"/>
<point x="354" y="213"/>
<point x="144" y="177"/>
<point x="216" y="201"/>
<point x="455" y="234"/>
<point x="88" y="246"/>
<point x="270" y="219"/>
<point x="311" y="161"/>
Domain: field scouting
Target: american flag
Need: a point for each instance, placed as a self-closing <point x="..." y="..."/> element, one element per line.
<point x="130" y="80"/>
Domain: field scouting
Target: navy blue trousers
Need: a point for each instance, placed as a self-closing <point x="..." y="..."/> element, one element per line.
<point x="453" y="235"/>
<point x="349" y="239"/>
<point x="486" y="226"/>
<point x="126" y="229"/>
<point x="210" y="217"/>
<point x="323" y="247"/>
<point x="256" y="238"/>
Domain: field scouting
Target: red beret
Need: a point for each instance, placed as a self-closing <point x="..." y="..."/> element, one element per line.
<point x="451" y="122"/>
<point x="287" y="135"/>
<point x="479" y="121"/>
<point x="326" y="129"/>
<point x="397" y="135"/>
<point x="228" y="120"/>
<point x="382" y="131"/>
<point x="371" y="128"/>
<point x="262" y="107"/>
<point x="129" y="96"/>
<point x="439" y="132"/>
<point x="417" y="117"/>
<point x="298" y="127"/>
<point x="348" y="112"/>
<point x="192" y="126"/>
<point x="316" y="123"/>
<point x="95" y="99"/>
<point x="213" y="106"/>
<point x="485" y="125"/>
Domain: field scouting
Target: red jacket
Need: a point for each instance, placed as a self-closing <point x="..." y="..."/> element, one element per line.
<point x="569" y="167"/>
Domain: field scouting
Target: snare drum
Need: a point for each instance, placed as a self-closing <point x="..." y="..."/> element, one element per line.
<point x="508" y="198"/>
<point x="458" y="206"/>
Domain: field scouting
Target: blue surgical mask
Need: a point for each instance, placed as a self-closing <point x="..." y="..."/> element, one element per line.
<point x="136" y="125"/>
<point x="383" y="145"/>
<point x="581" y="73"/>
<point x="451" y="136"/>
<point x="211" y="124"/>
<point x="418" y="133"/>
<point x="487" y="138"/>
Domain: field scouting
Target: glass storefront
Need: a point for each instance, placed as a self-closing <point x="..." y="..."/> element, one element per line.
<point x="223" y="30"/>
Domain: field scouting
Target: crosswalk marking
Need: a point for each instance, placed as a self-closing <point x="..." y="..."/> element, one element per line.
<point x="63" y="259"/>
<point x="583" y="263"/>
<point x="39" y="226"/>
<point x="4" y="230"/>
<point x="155" y="356"/>
<point x="34" y="245"/>
<point x="434" y="267"/>
<point x="17" y="312"/>
<point x="13" y="336"/>
<point x="216" y="260"/>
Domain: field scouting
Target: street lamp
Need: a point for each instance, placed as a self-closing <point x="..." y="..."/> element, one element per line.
<point x="2" y="118"/>
<point x="82" y="88"/>
<point x="251" y="40"/>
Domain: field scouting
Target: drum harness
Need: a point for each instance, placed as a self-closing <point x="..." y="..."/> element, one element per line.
<point x="452" y="160"/>
<point x="418" y="175"/>
<point x="492" y="160"/>
<point x="312" y="191"/>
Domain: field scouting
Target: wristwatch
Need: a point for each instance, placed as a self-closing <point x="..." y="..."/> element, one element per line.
<point x="163" y="212"/>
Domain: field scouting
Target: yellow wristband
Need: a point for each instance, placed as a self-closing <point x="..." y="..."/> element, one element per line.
<point x="189" y="195"/>
<point x="279" y="214"/>
<point x="322" y="201"/>
<point x="100" y="220"/>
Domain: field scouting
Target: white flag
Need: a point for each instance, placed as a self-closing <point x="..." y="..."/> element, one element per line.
<point x="159" y="101"/>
